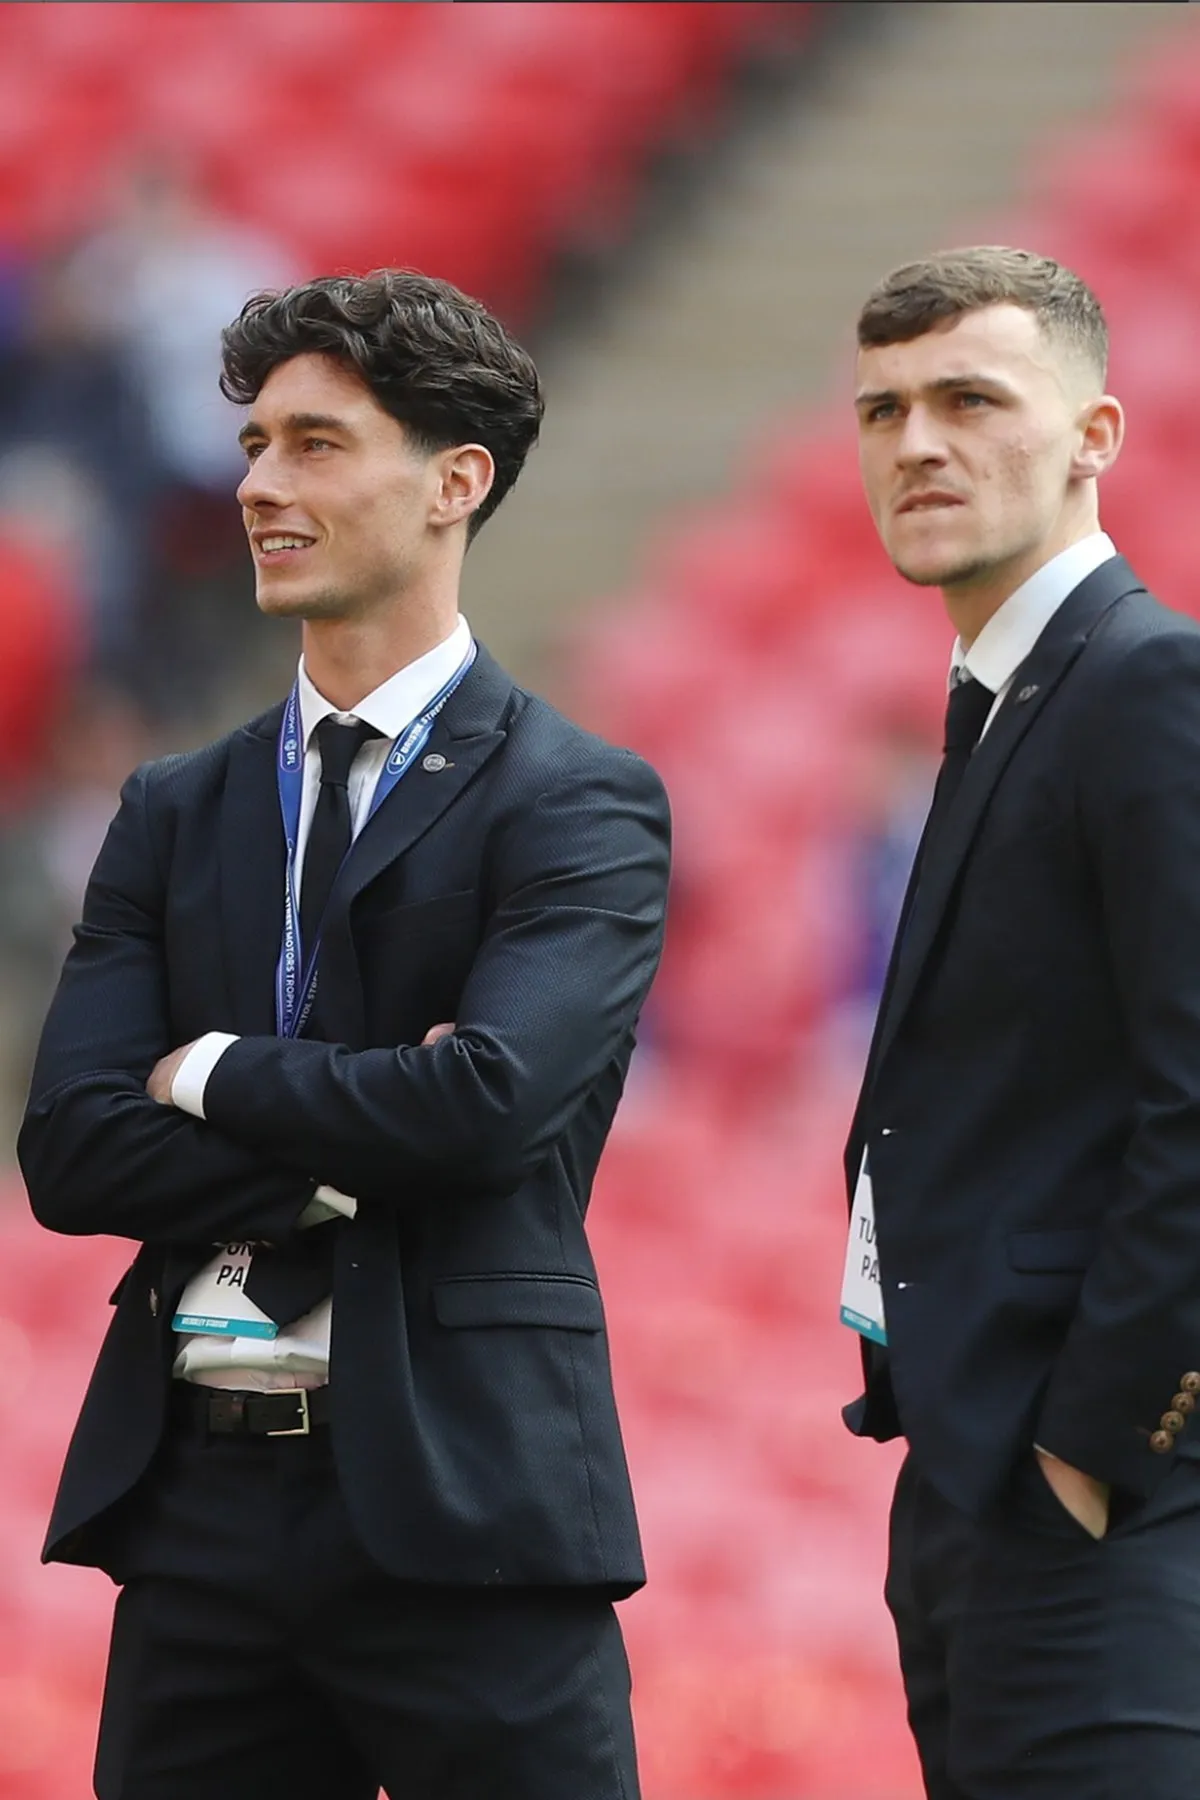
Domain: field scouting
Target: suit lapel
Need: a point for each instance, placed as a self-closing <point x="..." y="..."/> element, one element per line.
<point x="253" y="868"/>
<point x="465" y="735"/>
<point x="935" y="873"/>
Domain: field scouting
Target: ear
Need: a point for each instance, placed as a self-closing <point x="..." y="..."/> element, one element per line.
<point x="1103" y="432"/>
<point x="465" y="478"/>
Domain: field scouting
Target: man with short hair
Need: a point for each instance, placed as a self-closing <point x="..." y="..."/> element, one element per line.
<point x="340" y="1042"/>
<point x="1024" y="1162"/>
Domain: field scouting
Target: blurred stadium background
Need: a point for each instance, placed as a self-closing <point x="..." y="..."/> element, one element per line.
<point x="680" y="207"/>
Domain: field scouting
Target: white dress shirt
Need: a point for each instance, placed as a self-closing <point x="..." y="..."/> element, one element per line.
<point x="298" y="1356"/>
<point x="1015" y="627"/>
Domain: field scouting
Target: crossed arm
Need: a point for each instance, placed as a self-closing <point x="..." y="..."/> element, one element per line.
<point x="570" y="948"/>
<point x="160" y="1084"/>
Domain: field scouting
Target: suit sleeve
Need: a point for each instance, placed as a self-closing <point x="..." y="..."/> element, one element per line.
<point x="97" y="1153"/>
<point x="1136" y="1333"/>
<point x="567" y="958"/>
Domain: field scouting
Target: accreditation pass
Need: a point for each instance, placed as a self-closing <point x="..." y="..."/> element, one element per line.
<point x="862" y="1291"/>
<point x="214" y="1302"/>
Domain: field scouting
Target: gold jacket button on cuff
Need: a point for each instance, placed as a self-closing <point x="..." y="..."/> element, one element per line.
<point x="1173" y="1422"/>
<point x="1184" y="1403"/>
<point x="1161" y="1442"/>
<point x="1190" y="1383"/>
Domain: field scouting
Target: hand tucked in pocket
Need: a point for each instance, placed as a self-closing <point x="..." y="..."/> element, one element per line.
<point x="1085" y="1498"/>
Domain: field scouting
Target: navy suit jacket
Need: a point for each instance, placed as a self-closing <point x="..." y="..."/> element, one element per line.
<point x="1031" y="1104"/>
<point x="518" y="890"/>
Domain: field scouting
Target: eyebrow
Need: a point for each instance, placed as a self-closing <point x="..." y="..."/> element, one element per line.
<point x="945" y="384"/>
<point x="302" y="421"/>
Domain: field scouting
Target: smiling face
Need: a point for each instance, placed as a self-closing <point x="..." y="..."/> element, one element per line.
<point x="979" y="442"/>
<point x="341" y="507"/>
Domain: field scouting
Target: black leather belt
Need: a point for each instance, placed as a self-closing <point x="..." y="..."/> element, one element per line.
<point x="234" y="1412"/>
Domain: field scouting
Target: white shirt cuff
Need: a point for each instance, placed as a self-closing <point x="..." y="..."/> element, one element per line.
<point x="191" y="1077"/>
<point x="327" y="1203"/>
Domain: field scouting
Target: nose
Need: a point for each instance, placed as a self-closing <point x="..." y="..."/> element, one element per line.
<point x="920" y="442"/>
<point x="262" y="486"/>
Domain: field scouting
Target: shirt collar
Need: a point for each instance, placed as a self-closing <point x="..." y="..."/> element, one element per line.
<point x="1015" y="628"/>
<point x="396" y="702"/>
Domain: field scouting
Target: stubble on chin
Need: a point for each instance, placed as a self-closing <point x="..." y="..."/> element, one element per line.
<point x="325" y="604"/>
<point x="946" y="575"/>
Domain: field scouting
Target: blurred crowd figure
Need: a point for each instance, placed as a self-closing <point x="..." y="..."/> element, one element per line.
<point x="117" y="450"/>
<point x="127" y="625"/>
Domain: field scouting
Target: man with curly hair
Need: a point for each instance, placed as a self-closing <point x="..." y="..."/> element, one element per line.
<point x="339" y="1042"/>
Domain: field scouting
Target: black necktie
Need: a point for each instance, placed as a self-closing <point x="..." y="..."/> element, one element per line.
<point x="966" y="715"/>
<point x="286" y="1283"/>
<point x="329" y="835"/>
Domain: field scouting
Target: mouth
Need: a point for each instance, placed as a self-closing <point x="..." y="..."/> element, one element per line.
<point x="275" y="549"/>
<point x="933" y="502"/>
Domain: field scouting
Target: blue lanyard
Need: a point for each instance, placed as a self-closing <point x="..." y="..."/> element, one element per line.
<point x="296" y="974"/>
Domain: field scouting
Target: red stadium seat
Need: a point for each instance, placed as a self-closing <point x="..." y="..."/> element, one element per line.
<point x="40" y="642"/>
<point x="475" y="142"/>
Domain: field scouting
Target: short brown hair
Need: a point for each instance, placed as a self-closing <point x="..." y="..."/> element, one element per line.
<point x="432" y="356"/>
<point x="922" y="295"/>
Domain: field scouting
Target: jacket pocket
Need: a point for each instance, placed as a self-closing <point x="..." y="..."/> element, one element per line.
<point x="569" y="1302"/>
<point x="1058" y="1252"/>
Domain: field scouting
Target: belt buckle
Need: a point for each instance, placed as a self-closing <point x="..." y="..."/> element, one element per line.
<point x="305" y="1425"/>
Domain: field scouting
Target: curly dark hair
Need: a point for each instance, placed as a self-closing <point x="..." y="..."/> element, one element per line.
<point x="432" y="356"/>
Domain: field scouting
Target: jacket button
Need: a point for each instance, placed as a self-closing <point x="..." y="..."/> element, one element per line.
<point x="1190" y="1383"/>
<point x="1184" y="1403"/>
<point x="1161" y="1442"/>
<point x="1173" y="1422"/>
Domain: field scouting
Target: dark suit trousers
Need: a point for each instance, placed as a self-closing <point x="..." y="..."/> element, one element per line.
<point x="1040" y="1663"/>
<point x="257" y="1651"/>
